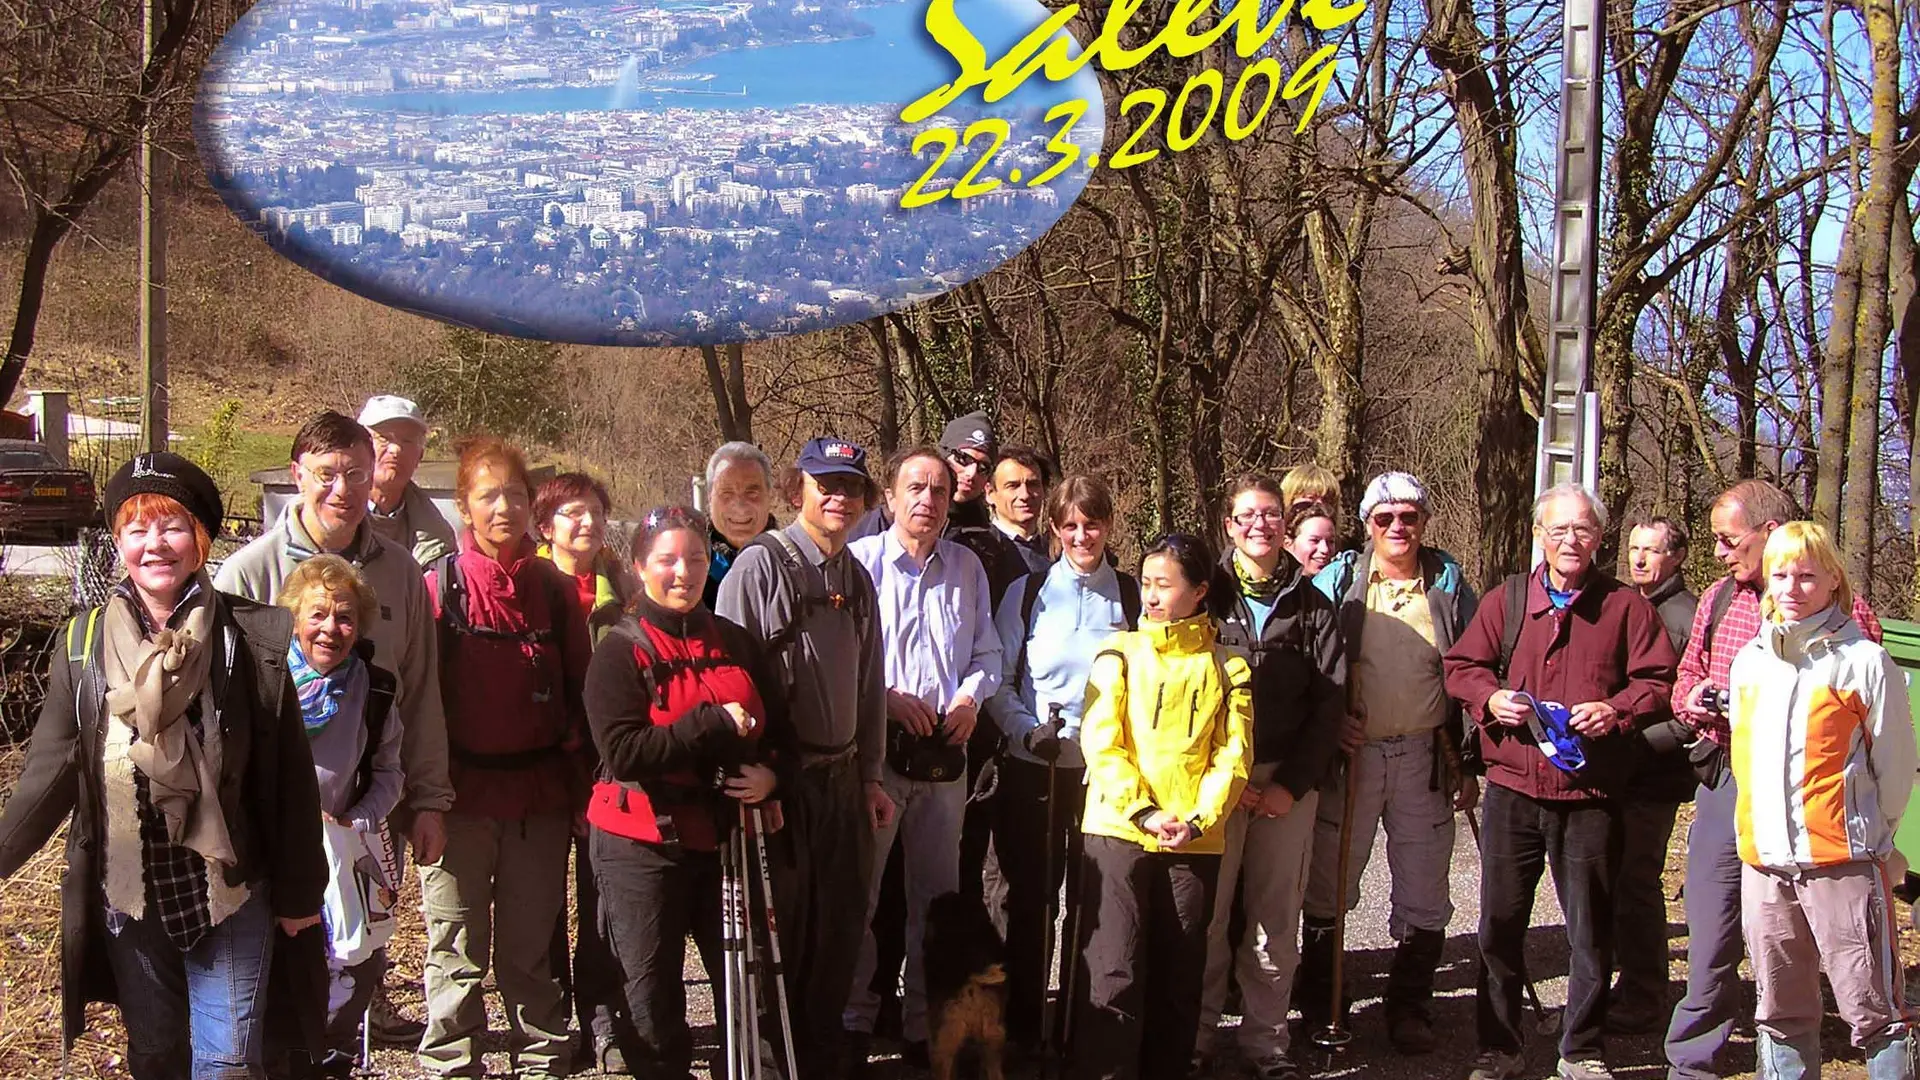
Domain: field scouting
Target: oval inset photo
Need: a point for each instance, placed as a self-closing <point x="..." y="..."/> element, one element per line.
<point x="666" y="172"/>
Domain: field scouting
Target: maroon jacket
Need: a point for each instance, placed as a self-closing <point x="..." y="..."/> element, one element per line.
<point x="1608" y="645"/>
<point x="516" y="726"/>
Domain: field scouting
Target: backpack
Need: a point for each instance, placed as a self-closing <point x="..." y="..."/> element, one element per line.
<point x="792" y="567"/>
<point x="1722" y="600"/>
<point x="657" y="669"/>
<point x="1129" y="611"/>
<point x="1514" y="593"/>
<point x="453" y="605"/>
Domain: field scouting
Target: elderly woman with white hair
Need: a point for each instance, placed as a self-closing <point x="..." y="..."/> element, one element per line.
<point x="739" y="505"/>
<point x="1402" y="604"/>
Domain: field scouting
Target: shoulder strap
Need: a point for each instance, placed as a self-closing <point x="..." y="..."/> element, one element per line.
<point x="1514" y="593"/>
<point x="79" y="647"/>
<point x="453" y="591"/>
<point x="1722" y="600"/>
<point x="382" y="689"/>
<point x="1028" y="601"/>
<point x="1129" y="599"/>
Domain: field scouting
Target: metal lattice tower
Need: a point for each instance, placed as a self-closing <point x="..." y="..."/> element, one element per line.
<point x="1568" y="447"/>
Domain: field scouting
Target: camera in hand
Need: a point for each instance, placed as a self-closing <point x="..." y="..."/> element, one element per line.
<point x="1718" y="701"/>
<point x="930" y="759"/>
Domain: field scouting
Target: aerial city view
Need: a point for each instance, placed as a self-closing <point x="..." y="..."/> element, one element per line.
<point x="654" y="173"/>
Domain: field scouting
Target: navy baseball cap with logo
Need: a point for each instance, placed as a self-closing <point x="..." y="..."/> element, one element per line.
<point x="826" y="456"/>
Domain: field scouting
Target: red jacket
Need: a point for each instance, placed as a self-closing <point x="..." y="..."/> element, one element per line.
<point x="1608" y="645"/>
<point x="516" y="730"/>
<point x="661" y="728"/>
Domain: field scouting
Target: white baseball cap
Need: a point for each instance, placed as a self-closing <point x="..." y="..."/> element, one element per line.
<point x="384" y="407"/>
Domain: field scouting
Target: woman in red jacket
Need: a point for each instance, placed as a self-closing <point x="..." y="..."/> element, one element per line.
<point x="513" y="657"/>
<point x="672" y="702"/>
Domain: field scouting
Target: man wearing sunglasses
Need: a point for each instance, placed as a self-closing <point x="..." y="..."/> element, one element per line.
<point x="1402" y="605"/>
<point x="1566" y="632"/>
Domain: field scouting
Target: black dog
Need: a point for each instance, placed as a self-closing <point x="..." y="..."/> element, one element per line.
<point x="966" y="985"/>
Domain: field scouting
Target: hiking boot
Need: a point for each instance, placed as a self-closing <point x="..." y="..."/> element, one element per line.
<point x="1313" y="980"/>
<point x="608" y="1055"/>
<point x="1410" y="1032"/>
<point x="387" y="1027"/>
<point x="1593" y="1069"/>
<point x="1278" y="1067"/>
<point x="1498" y="1065"/>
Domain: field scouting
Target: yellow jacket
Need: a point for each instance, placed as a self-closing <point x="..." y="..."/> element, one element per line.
<point x="1166" y="727"/>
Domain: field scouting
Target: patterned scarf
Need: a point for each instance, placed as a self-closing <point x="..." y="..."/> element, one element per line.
<point x="1263" y="589"/>
<point x="320" y="692"/>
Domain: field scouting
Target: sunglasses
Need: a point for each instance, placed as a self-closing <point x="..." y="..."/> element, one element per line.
<point x="1385" y="519"/>
<point x="663" y="517"/>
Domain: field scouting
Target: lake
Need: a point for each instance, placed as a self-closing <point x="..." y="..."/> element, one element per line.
<point x="894" y="65"/>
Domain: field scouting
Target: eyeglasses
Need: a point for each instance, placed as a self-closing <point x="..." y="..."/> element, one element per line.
<point x="1247" y="518"/>
<point x="1386" y="518"/>
<point x="577" y="511"/>
<point x="1559" y="533"/>
<point x="965" y="460"/>
<point x="411" y="440"/>
<point x="327" y="477"/>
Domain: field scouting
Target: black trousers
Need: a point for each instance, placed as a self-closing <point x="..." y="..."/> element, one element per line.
<point x="1022" y="842"/>
<point x="820" y="882"/>
<point x="976" y="829"/>
<point x="1580" y="842"/>
<point x="1143" y="961"/>
<point x="1640" y="904"/>
<point x="651" y="897"/>
<point x="590" y="979"/>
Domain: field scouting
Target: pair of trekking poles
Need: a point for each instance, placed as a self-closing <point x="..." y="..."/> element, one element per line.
<point x="746" y="969"/>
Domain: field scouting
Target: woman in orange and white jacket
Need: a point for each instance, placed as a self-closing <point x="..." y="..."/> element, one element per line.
<point x="1823" y="754"/>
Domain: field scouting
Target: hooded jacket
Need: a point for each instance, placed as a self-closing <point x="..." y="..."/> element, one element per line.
<point x="1822" y="745"/>
<point x="1299" y="669"/>
<point x="1165" y="728"/>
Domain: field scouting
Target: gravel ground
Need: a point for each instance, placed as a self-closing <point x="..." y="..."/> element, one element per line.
<point x="29" y="1041"/>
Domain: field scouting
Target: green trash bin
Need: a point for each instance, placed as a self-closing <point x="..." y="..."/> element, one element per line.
<point x="1902" y="639"/>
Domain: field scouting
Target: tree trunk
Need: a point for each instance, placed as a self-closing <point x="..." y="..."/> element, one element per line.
<point x="1503" y="475"/>
<point x="1873" y="316"/>
<point x="730" y="424"/>
<point x="1343" y="409"/>
<point x="889" y="435"/>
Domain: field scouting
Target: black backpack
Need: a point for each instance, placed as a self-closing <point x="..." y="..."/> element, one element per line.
<point x="808" y="597"/>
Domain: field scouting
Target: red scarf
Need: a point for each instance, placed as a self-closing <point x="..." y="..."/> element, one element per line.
<point x="493" y="600"/>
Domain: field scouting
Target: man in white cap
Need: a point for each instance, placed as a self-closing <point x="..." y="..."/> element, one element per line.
<point x="398" y="510"/>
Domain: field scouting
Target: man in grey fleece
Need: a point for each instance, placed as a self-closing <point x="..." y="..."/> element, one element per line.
<point x="333" y="464"/>
<point x="801" y="594"/>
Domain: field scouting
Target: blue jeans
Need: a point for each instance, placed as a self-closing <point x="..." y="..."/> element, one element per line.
<point x="198" y="1013"/>
<point x="1703" y="1021"/>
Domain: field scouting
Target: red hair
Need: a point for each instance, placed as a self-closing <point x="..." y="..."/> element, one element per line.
<point x="486" y="450"/>
<point x="147" y="508"/>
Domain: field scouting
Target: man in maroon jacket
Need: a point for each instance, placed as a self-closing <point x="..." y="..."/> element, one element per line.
<point x="1595" y="645"/>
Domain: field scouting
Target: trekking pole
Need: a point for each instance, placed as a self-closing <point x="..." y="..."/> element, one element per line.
<point x="1070" y="935"/>
<point x="1049" y="1056"/>
<point x="1547" y="1023"/>
<point x="773" y="944"/>
<point x="756" y="1063"/>
<point x="1334" y="1037"/>
<point x="735" y="970"/>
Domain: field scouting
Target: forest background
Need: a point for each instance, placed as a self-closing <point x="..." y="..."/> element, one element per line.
<point x="1370" y="294"/>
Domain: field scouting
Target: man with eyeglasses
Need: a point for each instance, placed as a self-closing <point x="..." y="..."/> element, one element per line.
<point x="333" y="466"/>
<point x="802" y="595"/>
<point x="1402" y="605"/>
<point x="1726" y="621"/>
<point x="1557" y="672"/>
<point x="1656" y="552"/>
<point x="399" y="510"/>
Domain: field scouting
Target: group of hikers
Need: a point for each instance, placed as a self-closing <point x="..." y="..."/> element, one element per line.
<point x="932" y="663"/>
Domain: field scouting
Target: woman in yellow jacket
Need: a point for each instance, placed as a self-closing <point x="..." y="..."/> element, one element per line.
<point x="1165" y="734"/>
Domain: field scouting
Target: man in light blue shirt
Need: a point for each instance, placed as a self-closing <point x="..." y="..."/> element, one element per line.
<point x="942" y="660"/>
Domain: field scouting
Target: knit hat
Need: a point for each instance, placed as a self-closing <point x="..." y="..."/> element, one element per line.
<point x="970" y="432"/>
<point x="170" y="475"/>
<point x="1393" y="487"/>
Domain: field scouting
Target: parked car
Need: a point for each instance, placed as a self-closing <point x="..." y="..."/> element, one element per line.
<point x="41" y="499"/>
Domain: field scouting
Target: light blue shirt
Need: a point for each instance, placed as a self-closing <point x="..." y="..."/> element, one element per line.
<point x="1262" y="611"/>
<point x="936" y="622"/>
<point x="1074" y="615"/>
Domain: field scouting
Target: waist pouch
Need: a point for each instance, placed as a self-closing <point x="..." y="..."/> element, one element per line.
<point x="929" y="759"/>
<point x="1709" y="761"/>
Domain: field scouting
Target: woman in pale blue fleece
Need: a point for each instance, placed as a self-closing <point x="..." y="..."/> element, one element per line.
<point x="359" y="784"/>
<point x="1078" y="607"/>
